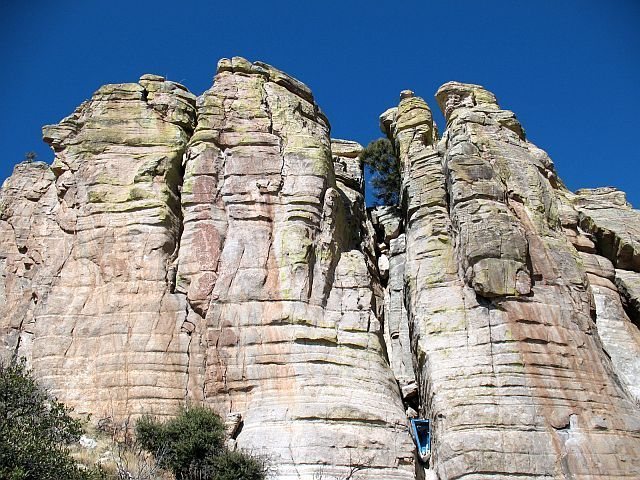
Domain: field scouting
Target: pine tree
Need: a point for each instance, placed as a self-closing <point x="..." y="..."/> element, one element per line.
<point x="382" y="163"/>
<point x="35" y="430"/>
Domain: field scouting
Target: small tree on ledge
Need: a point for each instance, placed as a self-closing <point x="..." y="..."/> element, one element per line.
<point x="30" y="157"/>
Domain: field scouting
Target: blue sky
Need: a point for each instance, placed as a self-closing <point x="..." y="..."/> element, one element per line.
<point x="569" y="69"/>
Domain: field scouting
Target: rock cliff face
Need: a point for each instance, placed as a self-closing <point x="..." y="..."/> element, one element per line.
<point x="217" y="250"/>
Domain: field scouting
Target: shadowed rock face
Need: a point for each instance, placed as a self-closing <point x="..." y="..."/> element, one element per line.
<point x="217" y="250"/>
<point x="605" y="213"/>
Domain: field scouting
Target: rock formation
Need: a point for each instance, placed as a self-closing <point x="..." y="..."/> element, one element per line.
<point x="218" y="250"/>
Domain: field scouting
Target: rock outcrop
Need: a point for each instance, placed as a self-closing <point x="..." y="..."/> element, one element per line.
<point x="511" y="367"/>
<point x="289" y="330"/>
<point x="89" y="286"/>
<point x="218" y="250"/>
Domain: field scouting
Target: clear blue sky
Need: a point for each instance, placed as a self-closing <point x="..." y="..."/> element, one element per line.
<point x="569" y="69"/>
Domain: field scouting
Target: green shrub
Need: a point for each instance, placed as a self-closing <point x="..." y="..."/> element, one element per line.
<point x="35" y="430"/>
<point x="237" y="466"/>
<point x="191" y="446"/>
<point x="383" y="164"/>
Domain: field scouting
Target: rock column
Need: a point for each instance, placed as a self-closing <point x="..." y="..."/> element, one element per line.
<point x="511" y="368"/>
<point x="104" y="328"/>
<point x="291" y="334"/>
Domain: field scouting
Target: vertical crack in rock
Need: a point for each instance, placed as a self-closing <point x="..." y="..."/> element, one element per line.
<point x="432" y="298"/>
<point x="391" y="245"/>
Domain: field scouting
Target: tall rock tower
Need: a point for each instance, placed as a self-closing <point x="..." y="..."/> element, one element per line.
<point x="503" y="282"/>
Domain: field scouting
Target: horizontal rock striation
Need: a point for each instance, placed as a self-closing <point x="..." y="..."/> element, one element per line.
<point x="512" y="368"/>
<point x="96" y="299"/>
<point x="291" y="335"/>
<point x="217" y="250"/>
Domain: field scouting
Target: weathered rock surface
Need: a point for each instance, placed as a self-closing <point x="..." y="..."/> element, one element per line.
<point x="217" y="250"/>
<point x="98" y="320"/>
<point x="605" y="213"/>
<point x="620" y="337"/>
<point x="291" y="333"/>
<point x="629" y="285"/>
<point x="350" y="185"/>
<point x="510" y="365"/>
<point x="29" y="236"/>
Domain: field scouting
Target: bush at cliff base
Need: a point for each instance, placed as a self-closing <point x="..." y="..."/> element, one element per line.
<point x="35" y="430"/>
<point x="192" y="446"/>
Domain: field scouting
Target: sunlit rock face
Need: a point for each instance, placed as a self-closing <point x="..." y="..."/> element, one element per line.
<point x="94" y="312"/>
<point x="182" y="250"/>
<point x="217" y="250"/>
<point x="289" y="325"/>
<point x="502" y="287"/>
